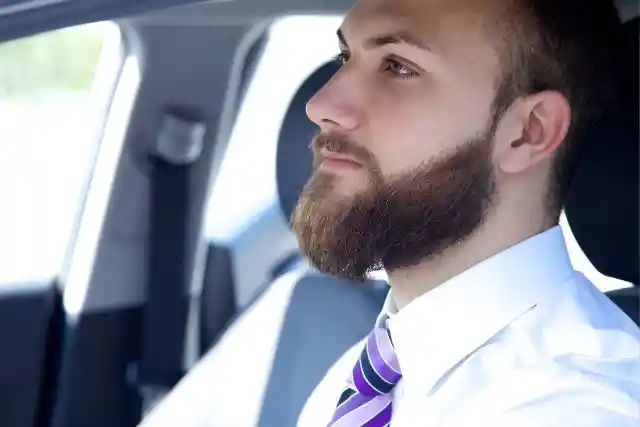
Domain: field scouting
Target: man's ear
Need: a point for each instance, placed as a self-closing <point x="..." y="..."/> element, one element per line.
<point x="535" y="126"/>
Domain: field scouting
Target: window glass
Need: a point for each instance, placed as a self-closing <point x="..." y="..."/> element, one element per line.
<point x="46" y="148"/>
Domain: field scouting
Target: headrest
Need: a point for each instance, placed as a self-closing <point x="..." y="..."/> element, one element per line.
<point x="602" y="205"/>
<point x="294" y="159"/>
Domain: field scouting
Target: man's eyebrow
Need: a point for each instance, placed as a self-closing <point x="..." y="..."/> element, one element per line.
<point x="396" y="37"/>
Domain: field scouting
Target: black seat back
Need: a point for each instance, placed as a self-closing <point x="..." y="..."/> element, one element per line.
<point x="602" y="205"/>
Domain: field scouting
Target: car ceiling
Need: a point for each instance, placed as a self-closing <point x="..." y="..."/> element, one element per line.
<point x="20" y="18"/>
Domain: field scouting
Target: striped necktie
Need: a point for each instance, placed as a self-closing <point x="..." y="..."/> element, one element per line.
<point x="367" y="399"/>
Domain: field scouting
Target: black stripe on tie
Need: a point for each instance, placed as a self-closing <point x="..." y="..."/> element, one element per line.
<point x="372" y="376"/>
<point x="345" y="396"/>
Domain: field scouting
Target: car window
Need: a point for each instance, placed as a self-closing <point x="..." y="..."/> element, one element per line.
<point x="46" y="149"/>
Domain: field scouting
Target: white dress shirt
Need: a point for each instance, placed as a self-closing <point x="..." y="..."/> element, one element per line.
<point x="518" y="340"/>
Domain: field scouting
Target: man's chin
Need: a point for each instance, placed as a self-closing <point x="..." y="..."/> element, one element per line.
<point x="339" y="199"/>
<point x="350" y="179"/>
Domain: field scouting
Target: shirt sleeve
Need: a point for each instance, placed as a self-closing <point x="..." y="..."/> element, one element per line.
<point x="320" y="406"/>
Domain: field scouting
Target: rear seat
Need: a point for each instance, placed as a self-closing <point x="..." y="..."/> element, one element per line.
<point x="269" y="361"/>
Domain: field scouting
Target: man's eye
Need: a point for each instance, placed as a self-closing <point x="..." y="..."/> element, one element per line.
<point x="398" y="70"/>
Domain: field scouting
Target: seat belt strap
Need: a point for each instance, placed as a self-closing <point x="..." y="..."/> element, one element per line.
<point x="171" y="254"/>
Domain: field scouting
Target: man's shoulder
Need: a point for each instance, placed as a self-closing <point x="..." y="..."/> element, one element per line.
<point x="574" y="358"/>
<point x="581" y="336"/>
<point x="574" y="361"/>
<point x="573" y="390"/>
<point x="581" y="319"/>
<point x="559" y="390"/>
<point x="320" y="406"/>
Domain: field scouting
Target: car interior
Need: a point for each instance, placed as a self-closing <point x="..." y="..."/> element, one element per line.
<point x="174" y="279"/>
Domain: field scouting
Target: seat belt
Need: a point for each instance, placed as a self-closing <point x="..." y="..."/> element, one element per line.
<point x="172" y="246"/>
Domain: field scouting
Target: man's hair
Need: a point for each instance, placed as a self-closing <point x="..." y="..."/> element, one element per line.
<point x="570" y="46"/>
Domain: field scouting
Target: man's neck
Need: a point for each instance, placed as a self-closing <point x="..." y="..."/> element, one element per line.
<point x="493" y="237"/>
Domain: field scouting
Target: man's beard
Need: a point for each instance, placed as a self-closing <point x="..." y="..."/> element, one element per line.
<point x="394" y="222"/>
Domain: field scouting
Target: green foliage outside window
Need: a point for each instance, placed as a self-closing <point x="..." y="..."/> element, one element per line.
<point x="43" y="65"/>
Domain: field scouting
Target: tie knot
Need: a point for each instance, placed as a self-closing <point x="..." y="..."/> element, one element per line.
<point x="377" y="370"/>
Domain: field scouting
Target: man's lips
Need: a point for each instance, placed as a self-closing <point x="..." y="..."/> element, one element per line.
<point x="332" y="159"/>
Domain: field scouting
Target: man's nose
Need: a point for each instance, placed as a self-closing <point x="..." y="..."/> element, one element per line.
<point x="335" y="106"/>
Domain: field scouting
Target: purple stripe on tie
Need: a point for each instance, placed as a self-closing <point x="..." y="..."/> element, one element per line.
<point x="386" y="349"/>
<point x="379" y="362"/>
<point x="364" y="413"/>
<point x="361" y="383"/>
<point x="349" y="405"/>
<point x="381" y="419"/>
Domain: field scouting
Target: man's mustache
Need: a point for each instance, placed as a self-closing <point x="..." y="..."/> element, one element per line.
<point x="336" y="143"/>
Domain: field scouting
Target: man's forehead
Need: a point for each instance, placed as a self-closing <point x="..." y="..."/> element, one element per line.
<point x="438" y="22"/>
<point x="416" y="5"/>
<point x="369" y="17"/>
<point x="420" y="13"/>
<point x="401" y="10"/>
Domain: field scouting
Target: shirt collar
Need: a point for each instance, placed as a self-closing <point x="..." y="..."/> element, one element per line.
<point x="440" y="328"/>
